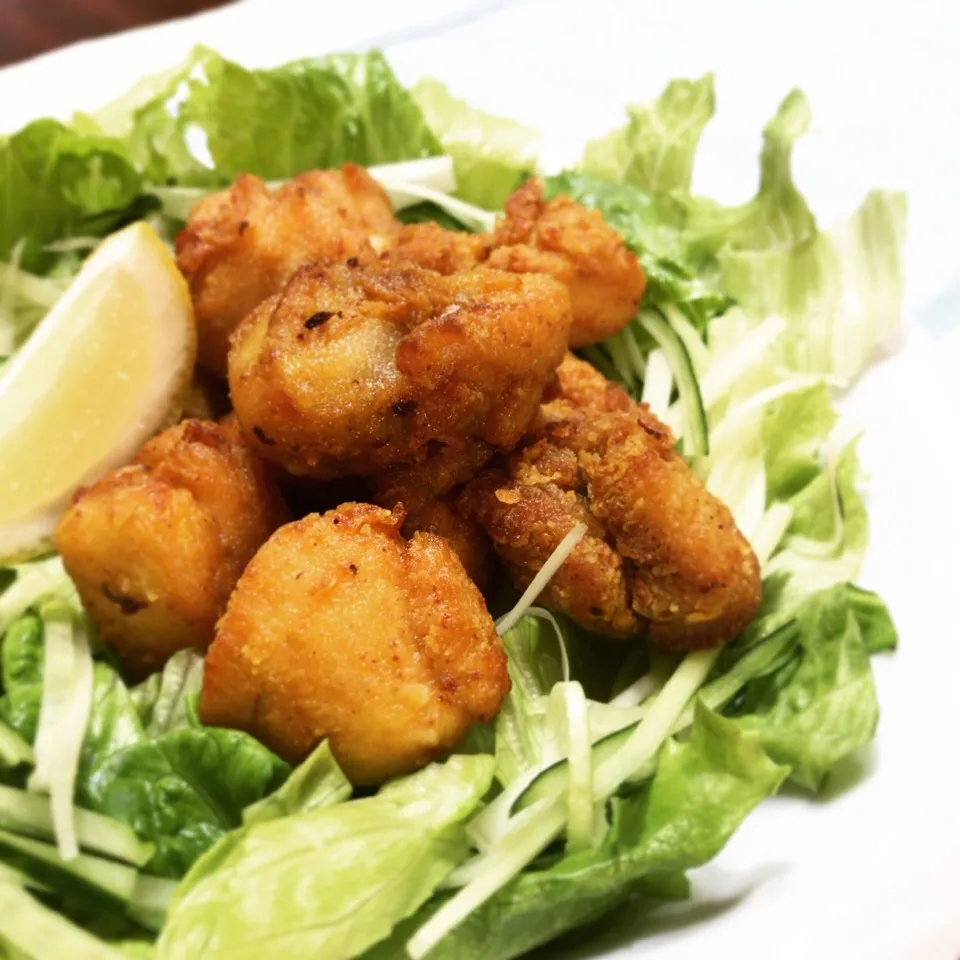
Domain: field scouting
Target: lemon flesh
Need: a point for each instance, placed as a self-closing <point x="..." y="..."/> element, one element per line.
<point x="102" y="372"/>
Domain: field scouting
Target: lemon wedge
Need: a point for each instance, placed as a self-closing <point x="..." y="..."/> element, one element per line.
<point x="103" y="371"/>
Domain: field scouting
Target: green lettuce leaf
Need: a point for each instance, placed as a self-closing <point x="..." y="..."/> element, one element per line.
<point x="212" y="119"/>
<point x="534" y="667"/>
<point x="821" y="705"/>
<point x="827" y="537"/>
<point x="179" y="786"/>
<point x="317" y="782"/>
<point x="182" y="790"/>
<point x="492" y="155"/>
<point x="840" y="288"/>
<point x="795" y="433"/>
<point x="164" y="700"/>
<point x="656" y="149"/>
<point x="876" y="625"/>
<point x="22" y="668"/>
<point x="778" y="216"/>
<point x="57" y="183"/>
<point x="332" y="881"/>
<point x="702" y="791"/>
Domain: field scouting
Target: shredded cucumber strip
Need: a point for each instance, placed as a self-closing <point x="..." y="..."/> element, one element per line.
<point x="771" y="531"/>
<point x="58" y="665"/>
<point x="30" y="814"/>
<point x="580" y="807"/>
<point x="434" y="172"/>
<point x="36" y="930"/>
<point x="542" y="613"/>
<point x="500" y="867"/>
<point x="520" y="846"/>
<point x="553" y="563"/>
<point x="634" y="354"/>
<point x="721" y="374"/>
<point x="64" y="712"/>
<point x="404" y="195"/>
<point x="658" y="383"/>
<point x="90" y="878"/>
<point x="490" y="840"/>
<point x="643" y="687"/>
<point x="33" y="582"/>
<point x="685" y="330"/>
<point x="627" y="361"/>
<point x="656" y="726"/>
<point x="693" y="426"/>
<point x="151" y="899"/>
<point x="15" y="282"/>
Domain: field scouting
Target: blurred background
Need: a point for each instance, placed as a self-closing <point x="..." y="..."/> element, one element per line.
<point x="29" y="27"/>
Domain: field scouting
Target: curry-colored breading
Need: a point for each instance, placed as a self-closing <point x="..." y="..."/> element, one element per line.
<point x="156" y="547"/>
<point x="353" y="370"/>
<point x="527" y="506"/>
<point x="341" y="628"/>
<point x="558" y="237"/>
<point x="662" y="555"/>
<point x="241" y="245"/>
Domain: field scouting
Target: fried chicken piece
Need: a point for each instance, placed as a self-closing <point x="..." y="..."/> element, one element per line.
<point x="527" y="507"/>
<point x="562" y="238"/>
<point x="559" y="237"/>
<point x="155" y="548"/>
<point x="656" y="535"/>
<point x="353" y="370"/>
<point x="240" y="246"/>
<point x="582" y="388"/>
<point x="340" y="628"/>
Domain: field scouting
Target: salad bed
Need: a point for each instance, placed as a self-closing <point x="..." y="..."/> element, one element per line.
<point x="128" y="827"/>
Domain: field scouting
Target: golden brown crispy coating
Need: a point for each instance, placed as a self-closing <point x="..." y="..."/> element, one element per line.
<point x="240" y="246"/>
<point x="156" y="547"/>
<point x="562" y="238"/>
<point x="352" y="370"/>
<point x="559" y="237"/>
<point x="340" y="628"/>
<point x="417" y="484"/>
<point x="527" y="507"/>
<point x="430" y="246"/>
<point x="467" y="538"/>
<point x="581" y="387"/>
<point x="427" y="491"/>
<point x="695" y="577"/>
<point x="656" y="535"/>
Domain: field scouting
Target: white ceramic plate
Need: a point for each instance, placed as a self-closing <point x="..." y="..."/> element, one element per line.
<point x="873" y="871"/>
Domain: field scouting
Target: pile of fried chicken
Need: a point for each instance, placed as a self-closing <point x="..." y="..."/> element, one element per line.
<point x="414" y="388"/>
